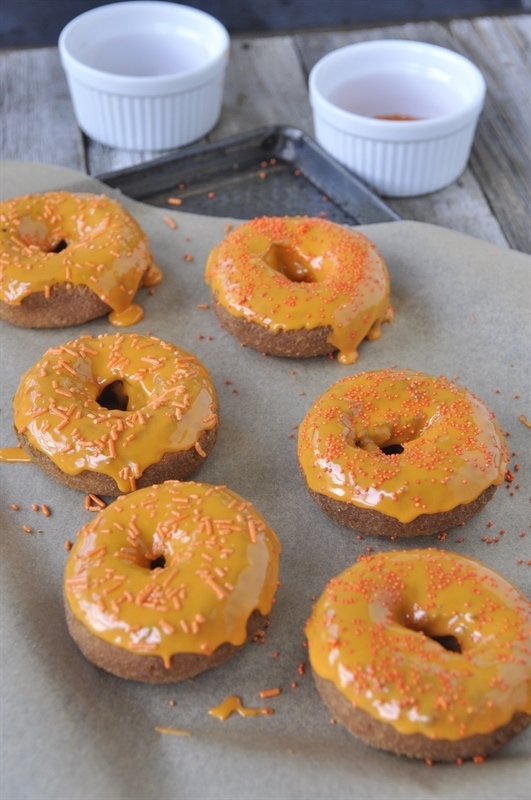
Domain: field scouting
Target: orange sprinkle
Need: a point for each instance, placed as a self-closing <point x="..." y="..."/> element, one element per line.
<point x="216" y="587"/>
<point x="170" y="222"/>
<point x="45" y="510"/>
<point x="265" y="693"/>
<point x="200" y="450"/>
<point x="96" y="500"/>
<point x="252" y="530"/>
<point x="175" y="201"/>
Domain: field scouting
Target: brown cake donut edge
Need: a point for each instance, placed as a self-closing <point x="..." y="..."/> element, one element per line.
<point x="303" y="343"/>
<point x="372" y="522"/>
<point x="383" y="736"/>
<point x="66" y="305"/>
<point x="172" y="466"/>
<point x="148" y="668"/>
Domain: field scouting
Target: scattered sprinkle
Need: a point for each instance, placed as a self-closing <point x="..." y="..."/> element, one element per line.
<point x="170" y="222"/>
<point x="266" y="693"/>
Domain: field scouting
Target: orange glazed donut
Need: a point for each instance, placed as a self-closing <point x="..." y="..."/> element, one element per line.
<point x="68" y="258"/>
<point x="170" y="580"/>
<point x="424" y="653"/>
<point x="399" y="453"/>
<point x="112" y="413"/>
<point x="299" y="287"/>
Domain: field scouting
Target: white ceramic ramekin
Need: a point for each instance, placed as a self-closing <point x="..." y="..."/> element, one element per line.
<point x="145" y="75"/>
<point x="352" y="88"/>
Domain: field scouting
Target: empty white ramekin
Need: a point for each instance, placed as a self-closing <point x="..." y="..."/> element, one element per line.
<point x="353" y="87"/>
<point x="145" y="75"/>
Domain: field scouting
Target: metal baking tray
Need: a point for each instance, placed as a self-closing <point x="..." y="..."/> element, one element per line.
<point x="273" y="171"/>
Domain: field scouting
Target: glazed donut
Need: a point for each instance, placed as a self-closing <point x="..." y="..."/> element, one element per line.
<point x="113" y="413"/>
<point x="69" y="258"/>
<point x="399" y="453"/>
<point x="299" y="287"/>
<point x="187" y="575"/>
<point x="424" y="653"/>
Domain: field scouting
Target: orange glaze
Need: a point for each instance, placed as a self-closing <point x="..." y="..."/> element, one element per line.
<point x="233" y="705"/>
<point x="13" y="455"/>
<point x="453" y="448"/>
<point x="104" y="248"/>
<point x="172" y="731"/>
<point x="170" y="402"/>
<point x="370" y="633"/>
<point x="221" y="563"/>
<point x="296" y="273"/>
<point x="130" y="316"/>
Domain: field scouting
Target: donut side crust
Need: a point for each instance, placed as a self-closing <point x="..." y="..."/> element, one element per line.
<point x="383" y="736"/>
<point x="148" y="668"/>
<point x="66" y="305"/>
<point x="372" y="522"/>
<point x="303" y="343"/>
<point x="172" y="466"/>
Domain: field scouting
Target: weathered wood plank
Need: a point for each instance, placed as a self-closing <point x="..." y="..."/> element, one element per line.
<point x="266" y="85"/>
<point x="36" y="117"/>
<point x="501" y="158"/>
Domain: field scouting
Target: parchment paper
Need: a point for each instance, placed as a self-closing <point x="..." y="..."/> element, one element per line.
<point x="71" y="731"/>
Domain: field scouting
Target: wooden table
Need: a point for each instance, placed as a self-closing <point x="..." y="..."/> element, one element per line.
<point x="267" y="84"/>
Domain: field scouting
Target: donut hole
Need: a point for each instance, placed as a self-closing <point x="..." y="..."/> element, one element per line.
<point x="392" y="449"/>
<point x="376" y="443"/>
<point x="417" y="621"/>
<point x="449" y="642"/>
<point x="446" y="640"/>
<point x="46" y="244"/>
<point x="388" y="438"/>
<point x="290" y="263"/>
<point x="59" y="246"/>
<point x="159" y="562"/>
<point x="113" y="396"/>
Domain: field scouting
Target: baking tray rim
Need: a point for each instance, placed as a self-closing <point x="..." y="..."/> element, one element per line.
<point x="380" y="211"/>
